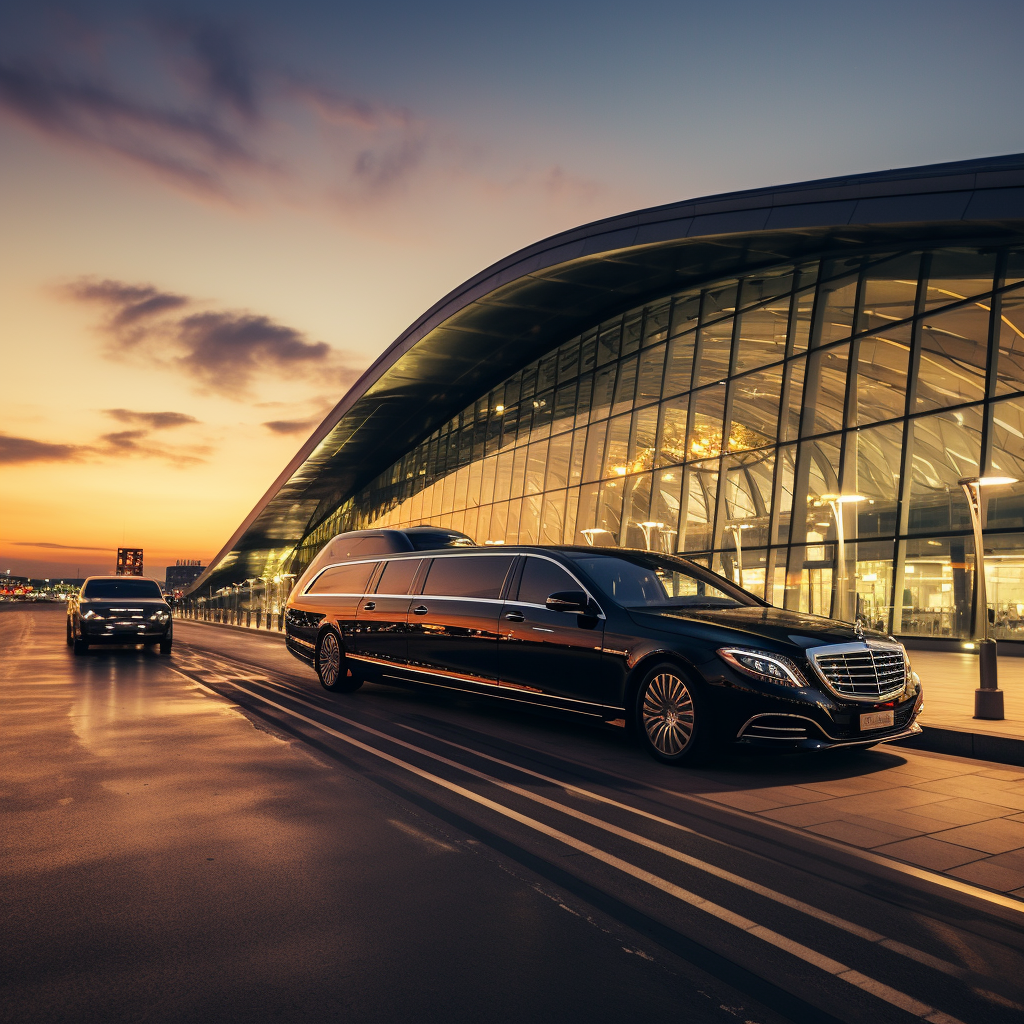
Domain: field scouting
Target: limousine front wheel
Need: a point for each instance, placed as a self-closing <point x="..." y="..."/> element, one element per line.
<point x="331" y="667"/>
<point x="669" y="716"/>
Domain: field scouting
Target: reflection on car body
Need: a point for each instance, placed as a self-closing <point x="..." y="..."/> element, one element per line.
<point x="689" y="659"/>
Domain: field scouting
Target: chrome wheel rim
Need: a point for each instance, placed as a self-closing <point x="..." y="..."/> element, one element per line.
<point x="668" y="714"/>
<point x="330" y="660"/>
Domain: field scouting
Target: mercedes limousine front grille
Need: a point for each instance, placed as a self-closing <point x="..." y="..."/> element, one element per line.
<point x="861" y="671"/>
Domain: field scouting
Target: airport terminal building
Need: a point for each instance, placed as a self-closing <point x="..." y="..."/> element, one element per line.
<point x="787" y="385"/>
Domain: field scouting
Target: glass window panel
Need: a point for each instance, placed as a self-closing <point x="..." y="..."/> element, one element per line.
<point x="515" y="511"/>
<point x="747" y="481"/>
<point x="809" y="579"/>
<point x="958" y="274"/>
<point x="1004" y="584"/>
<point x="837" y="299"/>
<point x="818" y="467"/>
<point x="652" y="368"/>
<point x="719" y="301"/>
<point x="656" y="323"/>
<point x="1010" y="368"/>
<point x="448" y="498"/>
<point x="954" y="355"/>
<point x="568" y="360"/>
<point x="793" y="379"/>
<point x="565" y="408"/>
<point x="498" y="526"/>
<point x="579" y="444"/>
<point x="583" y="401"/>
<point x="706" y="425"/>
<point x="946" y="448"/>
<point x="586" y="515"/>
<point x="569" y="535"/>
<point x="343" y="579"/>
<point x="639" y="530"/>
<point x="503" y="479"/>
<point x="509" y="426"/>
<point x="883" y="363"/>
<point x="529" y="521"/>
<point x="529" y="382"/>
<point x="469" y="526"/>
<point x="643" y="438"/>
<point x="547" y="371"/>
<point x="699" y="497"/>
<point x="875" y="455"/>
<point x="632" y="329"/>
<point x="872" y="576"/>
<point x="593" y="463"/>
<point x="762" y="336"/>
<point x="890" y="292"/>
<point x="665" y="508"/>
<point x="685" y="311"/>
<point x="558" y="463"/>
<point x="755" y="409"/>
<point x="588" y="351"/>
<point x="1005" y="504"/>
<point x="715" y="347"/>
<point x="489" y="468"/>
<point x="604" y="389"/>
<point x="483" y="525"/>
<point x="609" y="512"/>
<point x="479" y="576"/>
<point x="542" y="414"/>
<point x="398" y="575"/>
<point x="938" y="587"/>
<point x="461" y="488"/>
<point x="767" y="285"/>
<point x="745" y="567"/>
<point x="552" y="518"/>
<point x="616" y="455"/>
<point x="625" y="390"/>
<point x="672" y="431"/>
<point x="803" y="307"/>
<point x="519" y="471"/>
<point x="535" y="465"/>
<point x="513" y="387"/>
<point x="832" y="366"/>
<point x="609" y="341"/>
<point x="1014" y="268"/>
<point x="679" y="370"/>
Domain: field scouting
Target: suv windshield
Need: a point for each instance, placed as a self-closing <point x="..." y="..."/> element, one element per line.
<point x="650" y="581"/>
<point x="121" y="588"/>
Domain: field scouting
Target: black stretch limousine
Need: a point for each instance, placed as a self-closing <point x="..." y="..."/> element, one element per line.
<point x="682" y="655"/>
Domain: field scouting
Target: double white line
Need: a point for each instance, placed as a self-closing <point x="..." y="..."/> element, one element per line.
<point x="834" y="967"/>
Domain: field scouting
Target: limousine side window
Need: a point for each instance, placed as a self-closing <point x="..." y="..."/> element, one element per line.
<point x="541" y="579"/>
<point x="343" y="579"/>
<point x="479" y="576"/>
<point x="398" y="575"/>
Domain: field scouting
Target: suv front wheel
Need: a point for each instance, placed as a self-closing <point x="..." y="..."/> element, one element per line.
<point x="669" y="716"/>
<point x="330" y="665"/>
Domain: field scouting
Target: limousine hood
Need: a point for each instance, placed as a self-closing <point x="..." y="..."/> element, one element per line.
<point x="743" y="626"/>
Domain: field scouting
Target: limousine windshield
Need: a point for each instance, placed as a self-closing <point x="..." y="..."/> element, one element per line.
<point x="646" y="581"/>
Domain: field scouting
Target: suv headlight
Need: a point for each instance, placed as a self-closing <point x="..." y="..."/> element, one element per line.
<point x="765" y="667"/>
<point x="161" y="615"/>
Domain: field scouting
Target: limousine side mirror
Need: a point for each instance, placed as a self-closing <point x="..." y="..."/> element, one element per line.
<point x="568" y="601"/>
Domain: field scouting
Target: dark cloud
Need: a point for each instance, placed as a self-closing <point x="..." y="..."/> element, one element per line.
<point x="15" y="450"/>
<point x="153" y="420"/>
<point x="223" y="350"/>
<point x="48" y="544"/>
<point x="138" y="443"/>
<point x="289" y="426"/>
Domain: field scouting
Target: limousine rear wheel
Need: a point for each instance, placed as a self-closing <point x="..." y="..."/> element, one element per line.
<point x="331" y="667"/>
<point x="669" y="716"/>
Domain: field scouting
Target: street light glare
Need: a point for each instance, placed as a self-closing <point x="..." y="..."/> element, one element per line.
<point x="995" y="481"/>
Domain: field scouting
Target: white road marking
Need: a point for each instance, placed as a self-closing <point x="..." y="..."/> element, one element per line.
<point x="810" y="956"/>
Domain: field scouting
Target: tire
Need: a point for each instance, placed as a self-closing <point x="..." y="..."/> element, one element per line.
<point x="165" y="646"/>
<point x="81" y="647"/>
<point x="330" y="665"/>
<point x="71" y="638"/>
<point x="669" y="716"/>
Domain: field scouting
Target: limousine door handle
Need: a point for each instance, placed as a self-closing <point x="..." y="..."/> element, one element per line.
<point x="515" y="616"/>
<point x="369" y="606"/>
<point x="420" y="609"/>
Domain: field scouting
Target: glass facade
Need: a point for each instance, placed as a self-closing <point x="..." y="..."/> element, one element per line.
<point x="802" y="431"/>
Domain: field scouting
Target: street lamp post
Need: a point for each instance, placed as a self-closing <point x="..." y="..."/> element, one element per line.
<point x="988" y="698"/>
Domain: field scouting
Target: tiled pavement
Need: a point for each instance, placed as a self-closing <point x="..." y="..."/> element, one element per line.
<point x="951" y="815"/>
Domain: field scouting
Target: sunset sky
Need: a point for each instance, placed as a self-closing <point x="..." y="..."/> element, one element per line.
<point x="214" y="216"/>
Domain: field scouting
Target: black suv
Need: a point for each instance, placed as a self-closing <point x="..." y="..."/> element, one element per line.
<point x="119" y="610"/>
<point x="686" y="658"/>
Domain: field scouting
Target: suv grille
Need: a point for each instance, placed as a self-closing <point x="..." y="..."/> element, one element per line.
<point x="866" y="673"/>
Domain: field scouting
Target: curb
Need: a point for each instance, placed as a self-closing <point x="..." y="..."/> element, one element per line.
<point x="271" y="634"/>
<point x="980" y="746"/>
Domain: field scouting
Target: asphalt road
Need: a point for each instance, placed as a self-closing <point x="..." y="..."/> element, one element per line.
<point x="400" y="855"/>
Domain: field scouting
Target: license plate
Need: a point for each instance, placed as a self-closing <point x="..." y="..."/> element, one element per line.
<point x="876" y="720"/>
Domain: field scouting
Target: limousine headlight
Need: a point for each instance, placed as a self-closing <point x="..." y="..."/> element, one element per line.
<point x="768" y="668"/>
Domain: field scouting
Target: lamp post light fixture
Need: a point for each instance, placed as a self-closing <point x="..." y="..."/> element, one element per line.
<point x="592" y="533"/>
<point x="647" y="527"/>
<point x="988" y="698"/>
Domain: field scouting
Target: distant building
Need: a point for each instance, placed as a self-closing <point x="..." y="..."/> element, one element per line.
<point x="182" y="575"/>
<point x="129" y="562"/>
<point x="14" y="586"/>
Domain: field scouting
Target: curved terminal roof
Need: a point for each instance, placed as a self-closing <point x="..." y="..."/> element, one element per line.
<point x="507" y="315"/>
